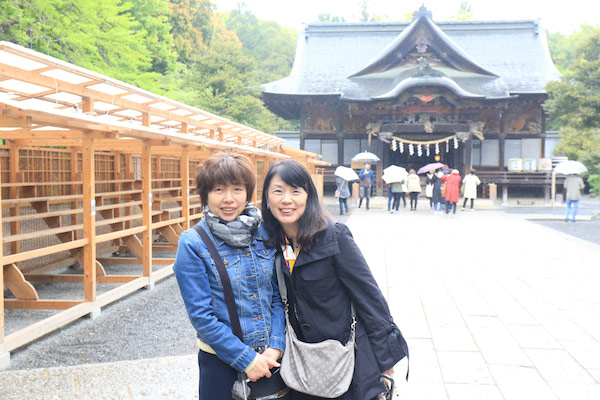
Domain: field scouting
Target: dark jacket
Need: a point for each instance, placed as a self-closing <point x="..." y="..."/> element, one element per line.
<point x="325" y="280"/>
<point x="437" y="190"/>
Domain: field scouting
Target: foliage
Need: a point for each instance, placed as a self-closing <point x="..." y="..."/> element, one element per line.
<point x="327" y="17"/>
<point x="574" y="102"/>
<point x="364" y="14"/>
<point x="271" y="46"/>
<point x="594" y="182"/>
<point x="464" y="13"/>
<point x="100" y="35"/>
<point x="223" y="80"/>
<point x="191" y="22"/>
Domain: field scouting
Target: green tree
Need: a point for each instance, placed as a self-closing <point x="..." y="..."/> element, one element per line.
<point x="191" y="22"/>
<point x="327" y="17"/>
<point x="573" y="104"/>
<point x="153" y="18"/>
<point x="363" y="6"/>
<point x="271" y="46"/>
<point x="98" y="35"/>
<point x="464" y="13"/>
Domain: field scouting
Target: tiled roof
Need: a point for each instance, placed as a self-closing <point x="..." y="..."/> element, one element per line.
<point x="507" y="57"/>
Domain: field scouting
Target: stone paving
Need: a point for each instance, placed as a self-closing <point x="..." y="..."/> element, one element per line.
<point x="492" y="306"/>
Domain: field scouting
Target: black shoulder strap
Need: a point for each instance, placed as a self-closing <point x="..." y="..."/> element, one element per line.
<point x="227" y="289"/>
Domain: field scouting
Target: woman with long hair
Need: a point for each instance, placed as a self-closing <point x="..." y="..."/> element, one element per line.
<point x="324" y="273"/>
<point x="225" y="183"/>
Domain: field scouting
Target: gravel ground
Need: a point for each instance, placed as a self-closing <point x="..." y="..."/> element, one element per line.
<point x="153" y="323"/>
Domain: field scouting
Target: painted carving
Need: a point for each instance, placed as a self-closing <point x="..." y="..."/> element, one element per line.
<point x="321" y="120"/>
<point x="524" y="118"/>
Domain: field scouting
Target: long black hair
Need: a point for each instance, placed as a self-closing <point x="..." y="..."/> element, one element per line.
<point x="314" y="219"/>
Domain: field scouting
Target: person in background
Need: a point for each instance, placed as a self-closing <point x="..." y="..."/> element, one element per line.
<point x="573" y="185"/>
<point x="471" y="182"/>
<point x="403" y="193"/>
<point x="325" y="272"/>
<point x="390" y="196"/>
<point x="397" y="189"/>
<point x="413" y="184"/>
<point x="429" y="188"/>
<point x="437" y="197"/>
<point x="342" y="193"/>
<point x="452" y="190"/>
<point x="366" y="180"/>
<point x="225" y="183"/>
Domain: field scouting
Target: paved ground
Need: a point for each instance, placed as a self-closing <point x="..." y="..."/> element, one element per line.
<point x="493" y="307"/>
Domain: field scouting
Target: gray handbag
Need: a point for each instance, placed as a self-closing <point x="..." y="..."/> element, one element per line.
<point x="322" y="369"/>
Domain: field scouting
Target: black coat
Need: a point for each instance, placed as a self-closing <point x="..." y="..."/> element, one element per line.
<point x="324" y="282"/>
<point x="437" y="190"/>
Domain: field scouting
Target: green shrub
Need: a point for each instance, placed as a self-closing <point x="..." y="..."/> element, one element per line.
<point x="594" y="182"/>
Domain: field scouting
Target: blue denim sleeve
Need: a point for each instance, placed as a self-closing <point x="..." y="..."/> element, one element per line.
<point x="277" y="339"/>
<point x="192" y="278"/>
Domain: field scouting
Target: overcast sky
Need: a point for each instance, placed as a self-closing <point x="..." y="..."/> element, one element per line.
<point x="556" y="16"/>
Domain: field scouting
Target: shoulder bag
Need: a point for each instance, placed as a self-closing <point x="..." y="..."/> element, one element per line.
<point x="264" y="388"/>
<point x="322" y="369"/>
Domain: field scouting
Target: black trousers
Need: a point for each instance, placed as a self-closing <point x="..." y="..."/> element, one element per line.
<point x="216" y="377"/>
<point x="414" y="197"/>
<point x="472" y="202"/>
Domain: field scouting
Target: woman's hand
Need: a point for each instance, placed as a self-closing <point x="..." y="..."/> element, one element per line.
<point x="389" y="372"/>
<point x="262" y="367"/>
<point x="273" y="354"/>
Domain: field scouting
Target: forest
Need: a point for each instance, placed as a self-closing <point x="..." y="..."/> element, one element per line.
<point x="185" y="50"/>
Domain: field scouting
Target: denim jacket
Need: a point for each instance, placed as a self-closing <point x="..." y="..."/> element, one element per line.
<point x="259" y="306"/>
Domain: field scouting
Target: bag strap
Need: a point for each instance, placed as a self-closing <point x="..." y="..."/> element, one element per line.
<point x="283" y="291"/>
<point x="227" y="289"/>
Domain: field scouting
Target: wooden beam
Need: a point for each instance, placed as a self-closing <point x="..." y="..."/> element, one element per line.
<point x="41" y="304"/>
<point x="89" y="219"/>
<point x="147" y="209"/>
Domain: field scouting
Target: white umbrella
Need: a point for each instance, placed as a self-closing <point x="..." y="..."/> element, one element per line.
<point x="394" y="173"/>
<point x="346" y="173"/>
<point x="570" y="167"/>
<point x="365" y="156"/>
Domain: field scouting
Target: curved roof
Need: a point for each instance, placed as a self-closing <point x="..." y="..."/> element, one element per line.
<point x="355" y="61"/>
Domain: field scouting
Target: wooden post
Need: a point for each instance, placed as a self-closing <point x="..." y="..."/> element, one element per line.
<point x="185" y="186"/>
<point x="74" y="189"/>
<point x="15" y="227"/>
<point x="468" y="148"/>
<point x="89" y="220"/>
<point x="147" y="209"/>
<point x="1" y="280"/>
<point x="553" y="188"/>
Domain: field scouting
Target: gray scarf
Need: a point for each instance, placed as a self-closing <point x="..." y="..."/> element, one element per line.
<point x="236" y="233"/>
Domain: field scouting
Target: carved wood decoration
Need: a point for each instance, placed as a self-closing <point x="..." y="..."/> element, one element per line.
<point x="523" y="118"/>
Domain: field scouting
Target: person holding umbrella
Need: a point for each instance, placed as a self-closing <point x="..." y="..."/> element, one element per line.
<point x="366" y="180"/>
<point x="573" y="185"/>
<point x="342" y="193"/>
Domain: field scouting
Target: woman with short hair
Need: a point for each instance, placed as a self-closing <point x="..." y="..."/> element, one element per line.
<point x="225" y="183"/>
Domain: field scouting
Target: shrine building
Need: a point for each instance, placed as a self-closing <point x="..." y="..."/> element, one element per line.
<point x="466" y="93"/>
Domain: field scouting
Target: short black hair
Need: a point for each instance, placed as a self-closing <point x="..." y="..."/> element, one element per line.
<point x="225" y="168"/>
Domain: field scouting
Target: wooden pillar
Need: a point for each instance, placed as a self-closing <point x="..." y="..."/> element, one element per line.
<point x="379" y="171"/>
<point x="87" y="105"/>
<point x="501" y="144"/>
<point x="468" y="148"/>
<point x="147" y="209"/>
<point x="15" y="227"/>
<point x="74" y="190"/>
<point x="185" y="186"/>
<point x="89" y="220"/>
<point x="1" y="280"/>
